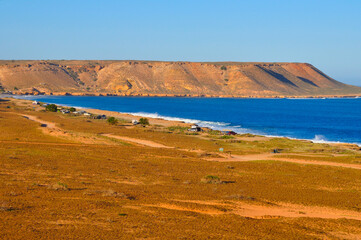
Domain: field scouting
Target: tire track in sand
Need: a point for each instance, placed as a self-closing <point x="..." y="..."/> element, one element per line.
<point x="270" y="157"/>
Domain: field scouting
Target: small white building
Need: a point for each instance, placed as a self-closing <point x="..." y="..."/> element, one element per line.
<point x="135" y="122"/>
<point x="195" y="128"/>
<point x="35" y="103"/>
<point x="64" y="111"/>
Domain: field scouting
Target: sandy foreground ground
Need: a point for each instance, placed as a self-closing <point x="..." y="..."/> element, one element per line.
<point x="64" y="176"/>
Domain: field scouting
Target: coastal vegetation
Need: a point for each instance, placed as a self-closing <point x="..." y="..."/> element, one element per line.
<point x="211" y="179"/>
<point x="177" y="129"/>
<point x="112" y="120"/>
<point x="51" y="108"/>
<point x="144" y="121"/>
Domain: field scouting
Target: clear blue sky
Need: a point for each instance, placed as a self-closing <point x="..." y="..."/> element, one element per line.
<point x="324" y="33"/>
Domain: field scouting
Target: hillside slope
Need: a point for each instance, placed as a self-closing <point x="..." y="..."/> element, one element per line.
<point x="148" y="78"/>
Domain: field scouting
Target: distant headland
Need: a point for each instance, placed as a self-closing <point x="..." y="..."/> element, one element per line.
<point x="155" y="78"/>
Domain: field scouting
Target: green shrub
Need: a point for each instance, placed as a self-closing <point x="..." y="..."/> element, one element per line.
<point x="224" y="68"/>
<point x="144" y="121"/>
<point x="112" y="120"/>
<point x="72" y="109"/>
<point x="211" y="179"/>
<point x="177" y="128"/>
<point x="51" y="108"/>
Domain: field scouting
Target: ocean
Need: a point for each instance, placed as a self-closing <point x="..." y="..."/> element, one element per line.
<point x="319" y="120"/>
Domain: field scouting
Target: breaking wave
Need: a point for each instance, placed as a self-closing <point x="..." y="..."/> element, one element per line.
<point x="320" y="139"/>
<point x="201" y="123"/>
<point x="323" y="139"/>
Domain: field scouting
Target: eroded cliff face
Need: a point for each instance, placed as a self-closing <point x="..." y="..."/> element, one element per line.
<point x="147" y="78"/>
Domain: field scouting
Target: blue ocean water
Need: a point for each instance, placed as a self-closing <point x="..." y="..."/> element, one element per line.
<point x="337" y="120"/>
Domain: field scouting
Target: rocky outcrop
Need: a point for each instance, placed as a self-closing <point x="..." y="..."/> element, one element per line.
<point x="150" y="78"/>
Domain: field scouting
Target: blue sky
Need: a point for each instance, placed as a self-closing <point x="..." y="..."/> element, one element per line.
<point x="325" y="33"/>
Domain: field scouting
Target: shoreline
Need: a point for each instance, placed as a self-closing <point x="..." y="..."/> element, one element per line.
<point x="175" y="121"/>
<point x="82" y="94"/>
<point x="167" y="123"/>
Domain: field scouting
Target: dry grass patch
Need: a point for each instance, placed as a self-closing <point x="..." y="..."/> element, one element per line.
<point x="117" y="190"/>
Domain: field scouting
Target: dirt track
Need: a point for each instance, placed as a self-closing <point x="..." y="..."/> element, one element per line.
<point x="233" y="158"/>
<point x="50" y="128"/>
<point x="45" y="123"/>
<point x="271" y="157"/>
<point x="258" y="211"/>
<point x="138" y="141"/>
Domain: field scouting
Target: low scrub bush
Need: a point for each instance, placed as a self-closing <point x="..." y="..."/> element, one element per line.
<point x="144" y="121"/>
<point x="59" y="187"/>
<point x="211" y="179"/>
<point x="51" y="108"/>
<point x="112" y="120"/>
<point x="177" y="129"/>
